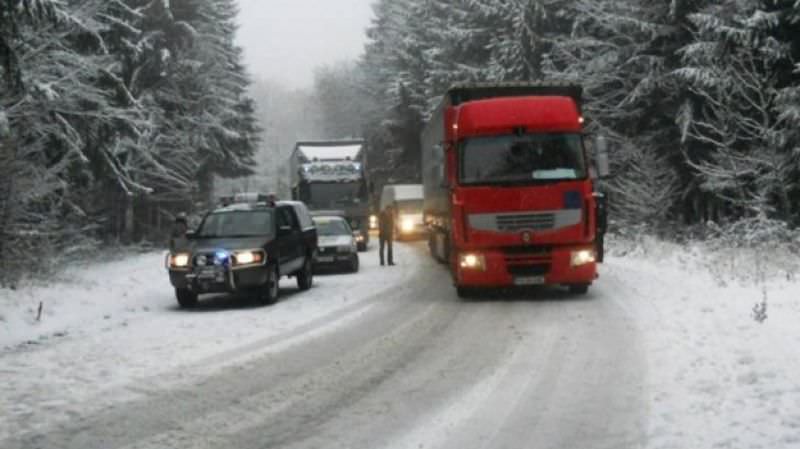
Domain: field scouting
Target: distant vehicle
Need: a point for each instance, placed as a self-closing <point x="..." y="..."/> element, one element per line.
<point x="337" y="243"/>
<point x="245" y="248"/>
<point x="407" y="201"/>
<point x="508" y="194"/>
<point x="332" y="174"/>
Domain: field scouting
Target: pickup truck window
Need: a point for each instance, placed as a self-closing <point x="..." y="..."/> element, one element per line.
<point x="237" y="224"/>
<point x="286" y="218"/>
<point x="521" y="159"/>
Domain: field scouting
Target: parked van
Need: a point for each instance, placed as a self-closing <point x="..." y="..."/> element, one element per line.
<point x="406" y="200"/>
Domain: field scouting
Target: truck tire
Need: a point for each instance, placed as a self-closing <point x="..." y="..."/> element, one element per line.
<point x="186" y="298"/>
<point x="268" y="293"/>
<point x="305" y="277"/>
<point x="465" y="292"/>
<point x="579" y="289"/>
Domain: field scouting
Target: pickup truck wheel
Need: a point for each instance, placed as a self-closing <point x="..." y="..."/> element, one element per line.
<point x="186" y="298"/>
<point x="305" y="277"/>
<point x="354" y="263"/>
<point x="579" y="289"/>
<point x="269" y="292"/>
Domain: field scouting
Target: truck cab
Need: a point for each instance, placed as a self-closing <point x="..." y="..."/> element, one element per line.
<point x="508" y="194"/>
<point x="406" y="201"/>
<point x="332" y="175"/>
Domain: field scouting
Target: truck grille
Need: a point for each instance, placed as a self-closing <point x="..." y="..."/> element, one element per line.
<point x="535" y="222"/>
<point x="529" y="270"/>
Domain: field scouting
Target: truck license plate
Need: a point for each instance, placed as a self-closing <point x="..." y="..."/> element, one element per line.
<point x="529" y="280"/>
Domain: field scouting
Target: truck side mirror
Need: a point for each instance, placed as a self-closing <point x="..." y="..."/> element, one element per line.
<point x="601" y="156"/>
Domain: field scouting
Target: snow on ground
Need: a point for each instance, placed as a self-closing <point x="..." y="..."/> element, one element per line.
<point x="717" y="376"/>
<point x="113" y="331"/>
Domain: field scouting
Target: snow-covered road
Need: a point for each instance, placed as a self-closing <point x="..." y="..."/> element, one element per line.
<point x="656" y="356"/>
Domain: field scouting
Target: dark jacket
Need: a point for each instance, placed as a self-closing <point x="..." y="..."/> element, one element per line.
<point x="386" y="224"/>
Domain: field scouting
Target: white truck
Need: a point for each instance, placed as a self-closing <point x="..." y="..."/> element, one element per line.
<point x="406" y="201"/>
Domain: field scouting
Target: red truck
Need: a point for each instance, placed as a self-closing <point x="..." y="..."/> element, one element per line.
<point x="509" y="196"/>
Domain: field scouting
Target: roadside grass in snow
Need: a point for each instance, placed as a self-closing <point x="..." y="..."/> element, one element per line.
<point x="748" y="253"/>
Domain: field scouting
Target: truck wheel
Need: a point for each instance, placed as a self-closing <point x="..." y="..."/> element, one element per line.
<point x="465" y="292"/>
<point x="305" y="277"/>
<point x="269" y="292"/>
<point x="579" y="289"/>
<point x="186" y="298"/>
<point x="354" y="263"/>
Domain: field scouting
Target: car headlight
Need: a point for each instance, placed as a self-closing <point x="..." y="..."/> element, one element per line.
<point x="582" y="257"/>
<point x="407" y="224"/>
<point x="179" y="260"/>
<point x="359" y="238"/>
<point x="248" y="258"/>
<point x="472" y="261"/>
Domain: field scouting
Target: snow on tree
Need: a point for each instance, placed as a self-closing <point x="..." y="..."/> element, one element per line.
<point x="745" y="144"/>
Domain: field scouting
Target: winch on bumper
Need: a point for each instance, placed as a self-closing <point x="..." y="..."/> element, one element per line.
<point x="221" y="272"/>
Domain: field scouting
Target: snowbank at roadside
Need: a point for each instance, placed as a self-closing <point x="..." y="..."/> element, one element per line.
<point x="84" y="298"/>
<point x="722" y="368"/>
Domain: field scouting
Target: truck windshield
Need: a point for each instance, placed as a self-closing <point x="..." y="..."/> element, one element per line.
<point x="333" y="195"/>
<point x="410" y="206"/>
<point x="521" y="159"/>
<point x="237" y="224"/>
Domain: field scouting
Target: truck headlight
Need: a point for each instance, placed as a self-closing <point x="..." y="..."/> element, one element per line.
<point x="582" y="257"/>
<point x="407" y="224"/>
<point x="248" y="258"/>
<point x="180" y="260"/>
<point x="472" y="261"/>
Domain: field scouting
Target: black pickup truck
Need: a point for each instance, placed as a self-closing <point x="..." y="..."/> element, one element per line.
<point x="245" y="248"/>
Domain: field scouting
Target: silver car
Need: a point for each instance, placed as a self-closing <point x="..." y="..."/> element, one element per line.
<point x="337" y="245"/>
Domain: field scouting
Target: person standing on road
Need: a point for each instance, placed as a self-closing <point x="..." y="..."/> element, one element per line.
<point x="386" y="233"/>
<point x="178" y="240"/>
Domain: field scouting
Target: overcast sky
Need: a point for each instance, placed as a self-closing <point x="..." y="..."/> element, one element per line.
<point x="285" y="39"/>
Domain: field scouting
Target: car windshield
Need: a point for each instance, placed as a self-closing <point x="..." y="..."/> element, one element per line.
<point x="331" y="226"/>
<point x="237" y="224"/>
<point x="523" y="159"/>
